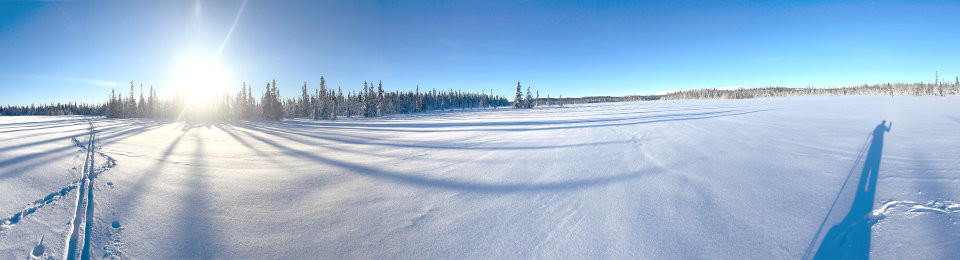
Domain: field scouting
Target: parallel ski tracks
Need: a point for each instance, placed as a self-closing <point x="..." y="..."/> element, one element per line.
<point x="83" y="221"/>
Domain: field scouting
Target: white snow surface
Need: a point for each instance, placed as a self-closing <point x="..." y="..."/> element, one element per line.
<point x="781" y="178"/>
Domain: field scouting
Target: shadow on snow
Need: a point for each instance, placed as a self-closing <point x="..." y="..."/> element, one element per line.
<point x="850" y="239"/>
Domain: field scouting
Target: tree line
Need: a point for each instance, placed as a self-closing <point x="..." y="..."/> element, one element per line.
<point x="54" y="109"/>
<point x="938" y="88"/>
<point x="325" y="103"/>
<point x="319" y="103"/>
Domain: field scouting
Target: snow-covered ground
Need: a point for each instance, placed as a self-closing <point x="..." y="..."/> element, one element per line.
<point x="781" y="178"/>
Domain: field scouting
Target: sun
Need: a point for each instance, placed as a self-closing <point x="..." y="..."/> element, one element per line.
<point x="200" y="79"/>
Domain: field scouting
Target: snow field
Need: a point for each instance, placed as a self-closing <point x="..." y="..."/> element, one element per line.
<point x="728" y="179"/>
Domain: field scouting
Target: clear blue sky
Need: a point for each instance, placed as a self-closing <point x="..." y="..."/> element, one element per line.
<point x="79" y="50"/>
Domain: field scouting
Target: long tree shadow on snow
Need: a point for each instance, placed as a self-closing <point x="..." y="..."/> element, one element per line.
<point x="519" y="126"/>
<point x="198" y="237"/>
<point x="956" y="119"/>
<point x="43" y="125"/>
<point x="850" y="239"/>
<point x="18" y="165"/>
<point x="279" y="131"/>
<point x="426" y="181"/>
<point x="146" y="180"/>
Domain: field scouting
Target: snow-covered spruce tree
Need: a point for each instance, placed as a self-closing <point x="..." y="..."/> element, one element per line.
<point x="140" y="105"/>
<point x="270" y="106"/>
<point x="380" y="104"/>
<point x="304" y="104"/>
<point x="371" y="98"/>
<point x="241" y="100"/>
<point x="315" y="107"/>
<point x="348" y="104"/>
<point x="483" y="100"/>
<point x="152" y="103"/>
<point x="417" y="99"/>
<point x="278" y="107"/>
<point x="252" y="111"/>
<point x="290" y="107"/>
<point x="366" y="100"/>
<point x="518" y="101"/>
<point x="956" y="85"/>
<point x="121" y="105"/>
<point x="529" y="100"/>
<point x="112" y="105"/>
<point x="130" y="108"/>
<point x="492" y="96"/>
<point x="318" y="102"/>
<point x="265" y="102"/>
<point x="360" y="101"/>
<point x="389" y="106"/>
<point x="323" y="101"/>
<point x="337" y="103"/>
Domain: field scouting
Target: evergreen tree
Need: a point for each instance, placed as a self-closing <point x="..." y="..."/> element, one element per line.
<point x="491" y="95"/>
<point x="241" y="109"/>
<point x="379" y="98"/>
<point x="303" y="110"/>
<point x="518" y="101"/>
<point x="152" y="103"/>
<point x="265" y="102"/>
<point x="323" y="101"/>
<point x="339" y="105"/>
<point x="251" y="103"/>
<point x="130" y="109"/>
<point x="271" y="108"/>
<point x="278" y="107"/>
<point x="483" y="100"/>
<point x="417" y="100"/>
<point x="369" y="100"/>
<point x="140" y="105"/>
<point x="329" y="102"/>
<point x="112" y="105"/>
<point x="317" y="103"/>
<point x="529" y="100"/>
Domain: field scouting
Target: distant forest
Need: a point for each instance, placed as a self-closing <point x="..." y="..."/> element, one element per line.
<point x="327" y="104"/>
<point x="899" y="89"/>
<point x="321" y="103"/>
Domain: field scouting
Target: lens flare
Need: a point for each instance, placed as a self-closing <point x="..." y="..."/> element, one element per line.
<point x="201" y="80"/>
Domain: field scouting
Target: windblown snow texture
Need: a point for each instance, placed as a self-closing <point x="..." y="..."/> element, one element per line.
<point x="786" y="178"/>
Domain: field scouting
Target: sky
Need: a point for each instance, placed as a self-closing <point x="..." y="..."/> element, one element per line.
<point x="59" y="51"/>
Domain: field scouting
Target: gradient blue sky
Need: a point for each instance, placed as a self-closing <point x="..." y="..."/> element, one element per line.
<point x="78" y="50"/>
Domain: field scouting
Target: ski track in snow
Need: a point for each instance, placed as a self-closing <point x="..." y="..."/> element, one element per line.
<point x="83" y="221"/>
<point x="9" y="222"/>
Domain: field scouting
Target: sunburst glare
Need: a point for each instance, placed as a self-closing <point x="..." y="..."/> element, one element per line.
<point x="200" y="79"/>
